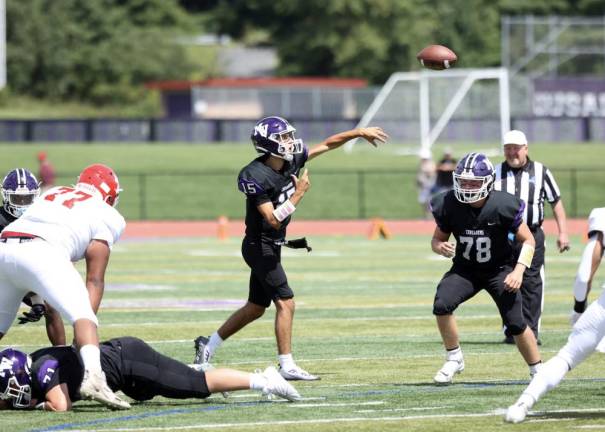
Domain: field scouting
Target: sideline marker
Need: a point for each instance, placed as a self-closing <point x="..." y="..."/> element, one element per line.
<point x="222" y="228"/>
<point x="379" y="229"/>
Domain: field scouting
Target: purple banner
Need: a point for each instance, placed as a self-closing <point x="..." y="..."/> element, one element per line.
<point x="569" y="97"/>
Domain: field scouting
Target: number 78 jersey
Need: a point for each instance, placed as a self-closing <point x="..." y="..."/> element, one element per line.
<point x="482" y="234"/>
<point x="70" y="218"/>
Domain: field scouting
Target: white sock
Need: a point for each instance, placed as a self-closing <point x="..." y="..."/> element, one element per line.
<point x="214" y="342"/>
<point x="455" y="354"/>
<point x="533" y="369"/>
<point x="91" y="357"/>
<point x="257" y="381"/>
<point x="286" y="361"/>
<point x="550" y="375"/>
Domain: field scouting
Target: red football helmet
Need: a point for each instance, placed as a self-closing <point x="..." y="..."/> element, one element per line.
<point x="104" y="179"/>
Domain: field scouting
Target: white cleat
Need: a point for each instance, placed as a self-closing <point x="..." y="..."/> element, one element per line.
<point x="445" y="375"/>
<point x="277" y="385"/>
<point x="94" y="387"/>
<point x="297" y="374"/>
<point x="516" y="413"/>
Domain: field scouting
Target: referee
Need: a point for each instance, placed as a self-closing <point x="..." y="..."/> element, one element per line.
<point x="533" y="183"/>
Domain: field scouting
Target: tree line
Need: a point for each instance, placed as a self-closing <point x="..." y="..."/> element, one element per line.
<point x="103" y="51"/>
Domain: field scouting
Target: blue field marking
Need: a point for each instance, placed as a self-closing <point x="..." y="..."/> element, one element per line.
<point x="67" y="426"/>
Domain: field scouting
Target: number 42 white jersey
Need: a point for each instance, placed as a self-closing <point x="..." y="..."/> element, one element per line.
<point x="70" y="218"/>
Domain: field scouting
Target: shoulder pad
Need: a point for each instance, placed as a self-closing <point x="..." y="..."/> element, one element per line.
<point x="250" y="187"/>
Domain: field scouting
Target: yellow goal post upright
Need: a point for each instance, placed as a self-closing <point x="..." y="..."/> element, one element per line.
<point x="430" y="100"/>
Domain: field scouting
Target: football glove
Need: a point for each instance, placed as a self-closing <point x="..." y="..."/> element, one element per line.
<point x="36" y="312"/>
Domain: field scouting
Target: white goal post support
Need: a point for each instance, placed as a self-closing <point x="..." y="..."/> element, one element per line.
<point x="430" y="134"/>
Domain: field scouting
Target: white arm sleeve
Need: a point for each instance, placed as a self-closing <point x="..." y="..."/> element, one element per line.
<point x="580" y="287"/>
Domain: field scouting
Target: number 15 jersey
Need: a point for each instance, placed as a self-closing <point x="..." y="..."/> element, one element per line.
<point x="70" y="218"/>
<point x="482" y="234"/>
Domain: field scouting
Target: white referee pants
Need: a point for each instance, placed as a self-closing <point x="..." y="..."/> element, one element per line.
<point x="39" y="267"/>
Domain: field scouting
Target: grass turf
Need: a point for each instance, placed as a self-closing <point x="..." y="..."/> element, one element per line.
<point x="363" y="323"/>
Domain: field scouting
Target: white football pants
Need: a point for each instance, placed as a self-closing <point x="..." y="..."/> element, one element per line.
<point x="39" y="267"/>
<point x="587" y="333"/>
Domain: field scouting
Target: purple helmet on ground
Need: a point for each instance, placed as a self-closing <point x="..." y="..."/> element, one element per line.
<point x="473" y="178"/>
<point x="275" y="136"/>
<point x="19" y="190"/>
<point x="15" y="377"/>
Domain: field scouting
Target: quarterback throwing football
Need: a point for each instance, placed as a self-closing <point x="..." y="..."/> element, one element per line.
<point x="274" y="186"/>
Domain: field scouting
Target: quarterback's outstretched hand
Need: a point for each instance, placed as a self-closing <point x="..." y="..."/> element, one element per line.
<point x="374" y="135"/>
<point x="36" y="312"/>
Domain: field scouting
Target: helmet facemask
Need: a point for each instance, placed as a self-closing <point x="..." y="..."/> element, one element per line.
<point x="473" y="178"/>
<point x="20" y="189"/>
<point x="287" y="144"/>
<point x="472" y="189"/>
<point x="15" y="378"/>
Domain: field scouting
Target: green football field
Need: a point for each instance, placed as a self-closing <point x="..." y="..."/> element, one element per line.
<point x="363" y="323"/>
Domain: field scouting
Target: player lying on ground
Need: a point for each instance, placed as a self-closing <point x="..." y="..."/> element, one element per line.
<point x="588" y="331"/>
<point x="49" y="379"/>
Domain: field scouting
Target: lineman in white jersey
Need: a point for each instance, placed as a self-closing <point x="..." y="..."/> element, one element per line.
<point x="588" y="330"/>
<point x="66" y="224"/>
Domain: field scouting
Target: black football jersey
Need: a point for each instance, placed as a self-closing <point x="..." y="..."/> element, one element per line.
<point x="262" y="184"/>
<point x="5" y="218"/>
<point x="54" y="366"/>
<point x="482" y="234"/>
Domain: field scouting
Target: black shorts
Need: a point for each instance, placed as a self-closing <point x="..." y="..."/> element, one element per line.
<point x="268" y="279"/>
<point x="142" y="373"/>
<point x="460" y="284"/>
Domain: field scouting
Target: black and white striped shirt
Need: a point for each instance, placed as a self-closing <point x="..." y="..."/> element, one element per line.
<point x="533" y="183"/>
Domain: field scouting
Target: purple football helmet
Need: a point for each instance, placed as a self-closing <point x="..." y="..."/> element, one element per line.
<point x="19" y="190"/>
<point x="473" y="178"/>
<point x="275" y="136"/>
<point x="15" y="377"/>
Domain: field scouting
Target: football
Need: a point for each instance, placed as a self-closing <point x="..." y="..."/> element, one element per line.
<point x="437" y="57"/>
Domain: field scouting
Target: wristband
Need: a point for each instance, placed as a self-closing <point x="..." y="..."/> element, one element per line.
<point x="284" y="210"/>
<point x="526" y="255"/>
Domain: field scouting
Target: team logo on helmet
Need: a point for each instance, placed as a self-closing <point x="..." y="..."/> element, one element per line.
<point x="15" y="377"/>
<point x="473" y="178"/>
<point x="19" y="190"/>
<point x="275" y="136"/>
<point x="101" y="178"/>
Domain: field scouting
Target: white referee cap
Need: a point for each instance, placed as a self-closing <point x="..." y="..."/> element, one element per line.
<point x="514" y="137"/>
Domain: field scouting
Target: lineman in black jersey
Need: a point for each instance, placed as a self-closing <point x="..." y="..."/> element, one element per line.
<point x="480" y="219"/>
<point x="273" y="185"/>
<point x="19" y="190"/>
<point x="50" y="378"/>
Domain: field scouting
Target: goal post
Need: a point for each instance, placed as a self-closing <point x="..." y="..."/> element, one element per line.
<point x="430" y="101"/>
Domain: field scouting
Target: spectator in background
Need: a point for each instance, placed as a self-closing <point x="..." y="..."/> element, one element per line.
<point x="445" y="168"/>
<point x="46" y="172"/>
<point x="533" y="183"/>
<point x="425" y="180"/>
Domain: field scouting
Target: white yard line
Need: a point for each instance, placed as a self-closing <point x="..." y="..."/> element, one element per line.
<point x="291" y="422"/>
